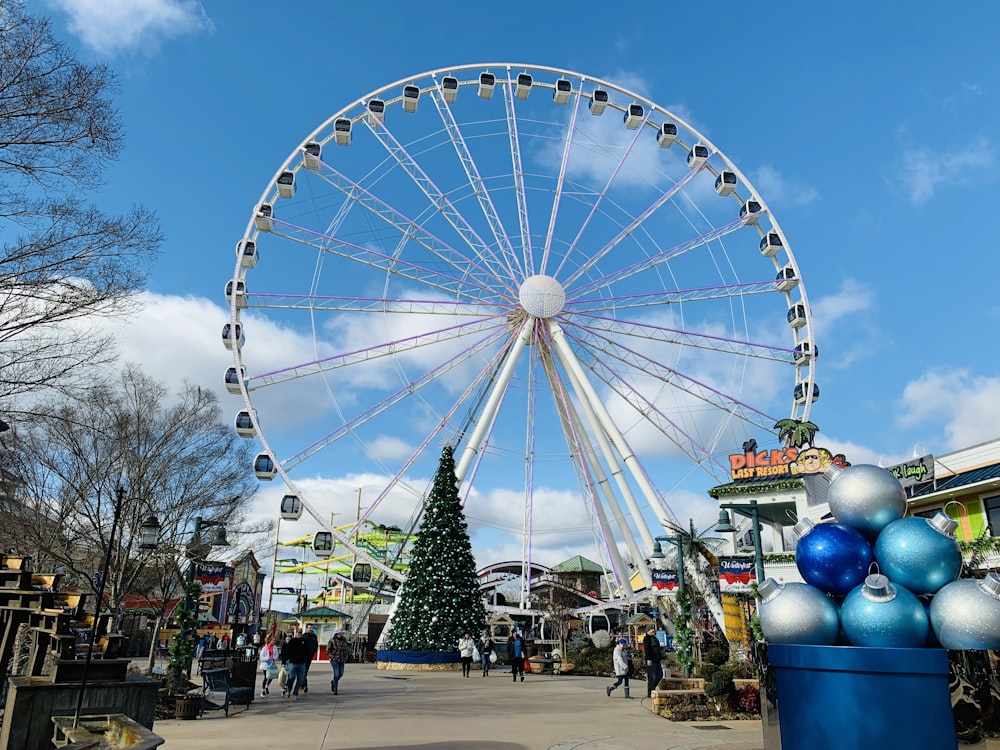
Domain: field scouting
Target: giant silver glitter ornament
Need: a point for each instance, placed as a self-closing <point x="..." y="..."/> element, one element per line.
<point x="864" y="497"/>
<point x="797" y="613"/>
<point x="965" y="614"/>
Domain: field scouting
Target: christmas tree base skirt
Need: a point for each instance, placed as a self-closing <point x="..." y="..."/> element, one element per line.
<point x="836" y="697"/>
<point x="425" y="661"/>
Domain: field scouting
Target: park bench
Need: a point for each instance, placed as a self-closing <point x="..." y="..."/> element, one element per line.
<point x="220" y="690"/>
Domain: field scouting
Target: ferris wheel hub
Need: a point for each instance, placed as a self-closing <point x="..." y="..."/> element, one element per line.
<point x="542" y="296"/>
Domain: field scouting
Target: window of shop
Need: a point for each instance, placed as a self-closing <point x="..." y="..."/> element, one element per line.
<point x="993" y="514"/>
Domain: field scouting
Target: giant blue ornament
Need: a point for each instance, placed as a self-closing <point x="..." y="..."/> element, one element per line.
<point x="797" y="613"/>
<point x="880" y="614"/>
<point x="864" y="497"/>
<point x="831" y="556"/>
<point x="920" y="553"/>
<point x="965" y="614"/>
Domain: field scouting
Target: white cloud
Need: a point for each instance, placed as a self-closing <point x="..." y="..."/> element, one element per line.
<point x="967" y="406"/>
<point x="923" y="170"/>
<point x="777" y="189"/>
<point x="110" y="27"/>
<point x="388" y="448"/>
<point x="850" y="299"/>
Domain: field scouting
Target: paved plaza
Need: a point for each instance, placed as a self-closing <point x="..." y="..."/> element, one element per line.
<point x="379" y="710"/>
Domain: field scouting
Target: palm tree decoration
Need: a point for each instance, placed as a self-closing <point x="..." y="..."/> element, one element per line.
<point x="697" y="545"/>
<point x="795" y="433"/>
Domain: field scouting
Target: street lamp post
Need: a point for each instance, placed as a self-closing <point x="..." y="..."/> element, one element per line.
<point x="751" y="511"/>
<point x="193" y="558"/>
<point x="148" y="533"/>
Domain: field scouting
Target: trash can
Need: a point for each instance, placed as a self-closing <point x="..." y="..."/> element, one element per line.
<point x="836" y="697"/>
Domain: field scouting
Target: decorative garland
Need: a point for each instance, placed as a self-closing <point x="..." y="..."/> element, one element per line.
<point x="755" y="488"/>
<point x="684" y="633"/>
<point x="183" y="642"/>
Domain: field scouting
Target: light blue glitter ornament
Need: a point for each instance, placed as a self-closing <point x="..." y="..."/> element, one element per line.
<point x="797" y="613"/>
<point x="864" y="497"/>
<point x="831" y="556"/>
<point x="920" y="554"/>
<point x="965" y="614"/>
<point x="880" y="614"/>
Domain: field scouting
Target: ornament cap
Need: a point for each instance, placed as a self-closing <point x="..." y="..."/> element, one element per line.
<point x="832" y="473"/>
<point x="943" y="523"/>
<point x="991" y="585"/>
<point x="769" y="590"/>
<point x="803" y="527"/>
<point x="877" y="588"/>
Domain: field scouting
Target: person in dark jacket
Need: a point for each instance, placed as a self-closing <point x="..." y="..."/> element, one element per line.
<point x="312" y="643"/>
<point x="485" y="649"/>
<point x="653" y="653"/>
<point x="294" y="656"/>
<point x="516" y="655"/>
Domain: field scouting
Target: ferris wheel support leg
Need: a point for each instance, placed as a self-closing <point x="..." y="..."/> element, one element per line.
<point x="577" y="438"/>
<point x="566" y="355"/>
<point x="575" y="375"/>
<point x="493" y="402"/>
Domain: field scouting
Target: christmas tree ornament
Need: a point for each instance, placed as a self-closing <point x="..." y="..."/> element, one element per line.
<point x="920" y="554"/>
<point x="831" y="556"/>
<point x="866" y="498"/>
<point x="797" y="613"/>
<point x="965" y="614"/>
<point x="880" y="614"/>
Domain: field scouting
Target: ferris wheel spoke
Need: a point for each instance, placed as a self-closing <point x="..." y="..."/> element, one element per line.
<point x="632" y="226"/>
<point x="477" y="184"/>
<point x="383" y="305"/>
<point x="601" y="197"/>
<point x="445" y="421"/>
<point x="438" y="200"/>
<point x="399" y="347"/>
<point x="386" y="263"/>
<point x="561" y="179"/>
<point x="591" y="476"/>
<point x="613" y="444"/>
<point x="402" y="393"/>
<point x="590" y="340"/>
<point x="651" y="262"/>
<point x="518" y="171"/>
<point x="410" y="228"/>
<point x="666" y="297"/>
<point x="647" y="409"/>
<point x="661" y="334"/>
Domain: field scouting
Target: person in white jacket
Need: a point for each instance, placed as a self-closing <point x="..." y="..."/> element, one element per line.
<point x="465" y="648"/>
<point x="620" y="659"/>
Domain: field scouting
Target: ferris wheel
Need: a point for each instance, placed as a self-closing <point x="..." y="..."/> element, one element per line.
<point x="566" y="282"/>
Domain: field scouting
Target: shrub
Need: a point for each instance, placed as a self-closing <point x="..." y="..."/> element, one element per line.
<point x="747" y="700"/>
<point x="720" y="684"/>
<point x="707" y="670"/>
<point x="601" y="639"/>
<point x="715" y="655"/>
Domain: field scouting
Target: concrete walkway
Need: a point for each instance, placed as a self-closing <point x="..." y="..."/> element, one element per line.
<point x="379" y="710"/>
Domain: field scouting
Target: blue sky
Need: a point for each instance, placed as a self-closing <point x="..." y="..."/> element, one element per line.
<point x="871" y="134"/>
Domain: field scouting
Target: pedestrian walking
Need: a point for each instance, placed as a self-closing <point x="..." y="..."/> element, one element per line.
<point x="485" y="651"/>
<point x="294" y="656"/>
<point x="312" y="644"/>
<point x="653" y="653"/>
<point x="465" y="647"/>
<point x="515" y="653"/>
<point x="268" y="663"/>
<point x="622" y="666"/>
<point x="337" y="650"/>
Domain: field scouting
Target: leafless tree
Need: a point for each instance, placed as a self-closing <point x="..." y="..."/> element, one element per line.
<point x="172" y="457"/>
<point x="62" y="259"/>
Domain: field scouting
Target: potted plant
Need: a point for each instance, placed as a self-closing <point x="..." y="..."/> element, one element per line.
<point x="182" y="647"/>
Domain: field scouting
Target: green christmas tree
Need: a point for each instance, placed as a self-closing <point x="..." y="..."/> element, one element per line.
<point x="440" y="599"/>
